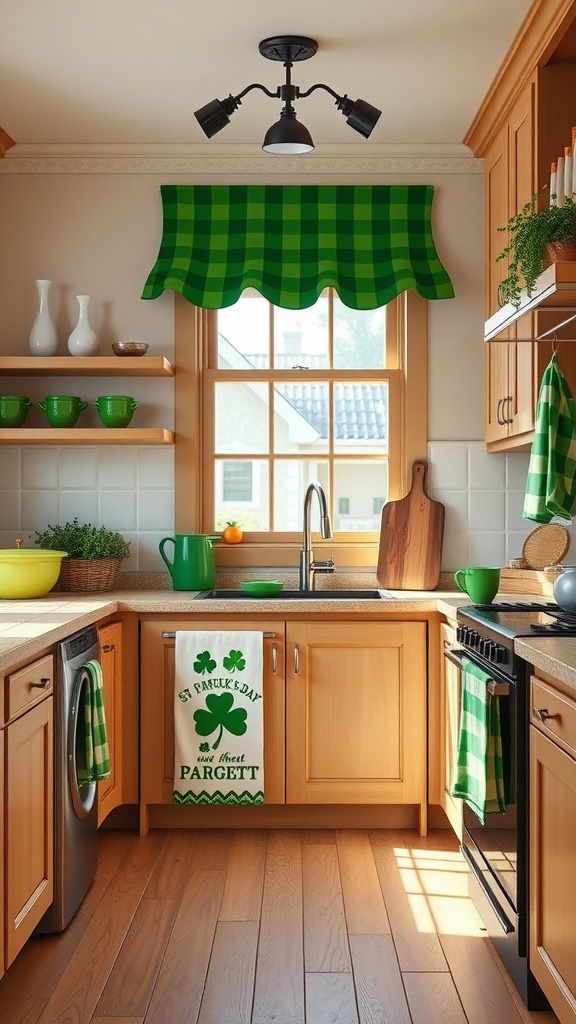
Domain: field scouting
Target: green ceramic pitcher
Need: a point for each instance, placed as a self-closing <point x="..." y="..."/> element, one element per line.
<point x="193" y="566"/>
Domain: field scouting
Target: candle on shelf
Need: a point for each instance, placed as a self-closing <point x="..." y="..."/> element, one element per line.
<point x="553" y="170"/>
<point x="560" y="181"/>
<point x="568" y="171"/>
<point x="573" y="161"/>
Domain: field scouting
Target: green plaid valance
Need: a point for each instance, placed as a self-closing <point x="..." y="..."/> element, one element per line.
<point x="369" y="242"/>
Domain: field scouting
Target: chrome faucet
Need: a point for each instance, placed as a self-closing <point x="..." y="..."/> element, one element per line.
<point x="308" y="567"/>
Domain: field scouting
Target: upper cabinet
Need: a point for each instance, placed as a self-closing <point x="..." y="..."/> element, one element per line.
<point x="524" y="123"/>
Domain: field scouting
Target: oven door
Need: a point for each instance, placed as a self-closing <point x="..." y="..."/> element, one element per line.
<point x="491" y="849"/>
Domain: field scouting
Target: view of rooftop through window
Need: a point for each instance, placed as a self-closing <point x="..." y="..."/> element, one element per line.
<point x="300" y="395"/>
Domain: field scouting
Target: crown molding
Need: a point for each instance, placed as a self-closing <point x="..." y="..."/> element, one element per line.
<point x="238" y="161"/>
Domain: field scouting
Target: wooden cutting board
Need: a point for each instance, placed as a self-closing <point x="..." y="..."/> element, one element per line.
<point x="411" y="536"/>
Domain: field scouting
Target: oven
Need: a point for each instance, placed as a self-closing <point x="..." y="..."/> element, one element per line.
<point x="496" y="850"/>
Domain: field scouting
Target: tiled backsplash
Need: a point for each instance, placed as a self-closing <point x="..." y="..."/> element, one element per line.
<point x="132" y="490"/>
<point x="483" y="495"/>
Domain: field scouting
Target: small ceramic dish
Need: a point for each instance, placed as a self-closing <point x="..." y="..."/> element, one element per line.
<point x="261" y="588"/>
<point x="129" y="348"/>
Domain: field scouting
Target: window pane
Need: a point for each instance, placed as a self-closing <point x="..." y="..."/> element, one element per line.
<point x="300" y="417"/>
<point x="359" y="337"/>
<point x="291" y="479"/>
<point x="241" y="417"/>
<point x="243" y="333"/>
<point x="361" y="417"/>
<point x="241" y="493"/>
<point x="301" y="336"/>
<point x="363" y="481"/>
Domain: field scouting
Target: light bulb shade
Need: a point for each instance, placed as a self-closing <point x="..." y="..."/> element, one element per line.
<point x="362" y="117"/>
<point x="212" y="118"/>
<point x="287" y="137"/>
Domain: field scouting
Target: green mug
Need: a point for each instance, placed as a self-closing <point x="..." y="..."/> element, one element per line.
<point x="13" y="410"/>
<point x="62" y="410"/>
<point x="479" y="582"/>
<point x="116" y="410"/>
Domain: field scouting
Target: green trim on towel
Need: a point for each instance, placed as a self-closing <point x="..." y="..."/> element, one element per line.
<point x="218" y="798"/>
<point x="480" y="766"/>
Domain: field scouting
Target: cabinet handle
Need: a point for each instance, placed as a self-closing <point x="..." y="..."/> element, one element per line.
<point x="296" y="659"/>
<point x="542" y="714"/>
<point x="508" y="418"/>
<point x="170" y="635"/>
<point x="109" y="647"/>
<point x="498" y="417"/>
<point x="274" y="658"/>
<point x="43" y="684"/>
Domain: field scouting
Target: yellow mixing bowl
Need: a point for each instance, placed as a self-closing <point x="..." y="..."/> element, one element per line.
<point x="28" y="573"/>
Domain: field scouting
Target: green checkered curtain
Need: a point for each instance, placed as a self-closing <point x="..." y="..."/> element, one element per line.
<point x="369" y="242"/>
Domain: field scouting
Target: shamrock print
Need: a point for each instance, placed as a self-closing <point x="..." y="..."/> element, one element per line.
<point x="220" y="715"/>
<point x="235" y="660"/>
<point x="204" y="663"/>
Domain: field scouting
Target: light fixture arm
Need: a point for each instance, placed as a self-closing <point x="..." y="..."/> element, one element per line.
<point x="342" y="102"/>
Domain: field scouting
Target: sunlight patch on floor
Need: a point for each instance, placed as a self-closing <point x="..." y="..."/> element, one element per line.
<point x="436" y="887"/>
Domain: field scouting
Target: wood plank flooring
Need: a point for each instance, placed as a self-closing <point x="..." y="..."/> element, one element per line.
<point x="269" y="927"/>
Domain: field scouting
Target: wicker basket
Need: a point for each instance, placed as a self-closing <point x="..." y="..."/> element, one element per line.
<point x="86" y="574"/>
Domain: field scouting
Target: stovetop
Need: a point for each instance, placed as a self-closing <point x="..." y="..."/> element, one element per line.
<point x="510" y="619"/>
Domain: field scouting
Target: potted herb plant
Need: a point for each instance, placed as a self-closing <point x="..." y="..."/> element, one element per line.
<point x="536" y="238"/>
<point x="94" y="554"/>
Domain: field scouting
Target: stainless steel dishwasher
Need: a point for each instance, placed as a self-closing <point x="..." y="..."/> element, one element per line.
<point x="75" y="806"/>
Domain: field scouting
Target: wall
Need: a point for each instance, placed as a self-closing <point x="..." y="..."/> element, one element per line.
<point x="92" y="225"/>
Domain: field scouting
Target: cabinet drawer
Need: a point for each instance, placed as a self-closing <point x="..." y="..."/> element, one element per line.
<point x="553" y="713"/>
<point x="29" y="685"/>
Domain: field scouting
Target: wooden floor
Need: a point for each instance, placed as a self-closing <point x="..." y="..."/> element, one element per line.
<point x="280" y="927"/>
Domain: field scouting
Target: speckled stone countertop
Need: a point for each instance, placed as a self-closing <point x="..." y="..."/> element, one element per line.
<point x="554" y="654"/>
<point x="30" y="626"/>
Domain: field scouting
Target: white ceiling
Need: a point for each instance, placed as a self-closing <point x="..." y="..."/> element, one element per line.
<point x="129" y="72"/>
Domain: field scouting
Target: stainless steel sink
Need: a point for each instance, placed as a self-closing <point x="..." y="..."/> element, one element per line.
<point x="294" y="595"/>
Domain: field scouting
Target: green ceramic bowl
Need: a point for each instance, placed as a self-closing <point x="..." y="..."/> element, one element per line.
<point x="261" y="588"/>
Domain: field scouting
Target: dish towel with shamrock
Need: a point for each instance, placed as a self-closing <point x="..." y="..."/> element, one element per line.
<point x="479" y="777"/>
<point x="97" y="764"/>
<point x="218" y="718"/>
<point x="551" y="480"/>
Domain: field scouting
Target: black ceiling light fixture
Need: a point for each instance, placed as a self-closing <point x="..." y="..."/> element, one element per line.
<point x="287" y="136"/>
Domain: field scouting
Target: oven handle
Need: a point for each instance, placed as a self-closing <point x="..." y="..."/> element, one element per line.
<point x="494" y="686"/>
<point x="503" y="921"/>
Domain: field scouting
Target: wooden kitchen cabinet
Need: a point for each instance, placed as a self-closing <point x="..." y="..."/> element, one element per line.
<point x="450" y="708"/>
<point x="356" y="713"/>
<point x="29" y="802"/>
<point x="552" y="843"/>
<point x="110" y="789"/>
<point x="157" y="704"/>
<point x="2" y="845"/>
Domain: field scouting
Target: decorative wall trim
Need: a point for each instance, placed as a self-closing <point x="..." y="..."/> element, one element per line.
<point x="191" y="162"/>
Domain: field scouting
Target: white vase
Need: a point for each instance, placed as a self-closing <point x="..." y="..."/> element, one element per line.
<point x="43" y="340"/>
<point x="83" y="341"/>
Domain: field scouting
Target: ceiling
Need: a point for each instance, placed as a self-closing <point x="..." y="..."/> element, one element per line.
<point x="132" y="72"/>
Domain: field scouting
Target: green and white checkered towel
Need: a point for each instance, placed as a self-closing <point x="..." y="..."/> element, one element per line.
<point x="551" y="480"/>
<point x="480" y="767"/>
<point x="97" y="765"/>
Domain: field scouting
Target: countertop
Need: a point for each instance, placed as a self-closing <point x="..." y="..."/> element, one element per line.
<point x="554" y="654"/>
<point x="30" y="626"/>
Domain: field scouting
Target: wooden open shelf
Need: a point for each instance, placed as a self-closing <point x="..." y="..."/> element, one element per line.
<point x="555" y="290"/>
<point x="94" y="366"/>
<point x="85" y="435"/>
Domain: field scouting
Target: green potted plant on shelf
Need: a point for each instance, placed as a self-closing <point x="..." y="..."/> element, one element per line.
<point x="536" y="238"/>
<point x="94" y="554"/>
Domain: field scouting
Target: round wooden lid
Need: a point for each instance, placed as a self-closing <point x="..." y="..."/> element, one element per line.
<point x="546" y="545"/>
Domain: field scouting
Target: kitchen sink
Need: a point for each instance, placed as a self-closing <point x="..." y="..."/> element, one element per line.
<point x="294" y="595"/>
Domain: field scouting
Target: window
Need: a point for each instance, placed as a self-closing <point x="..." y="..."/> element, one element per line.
<point x="269" y="399"/>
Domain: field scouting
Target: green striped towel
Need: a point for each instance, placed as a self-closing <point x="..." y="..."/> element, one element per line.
<point x="480" y="769"/>
<point x="97" y="765"/>
<point x="551" y="480"/>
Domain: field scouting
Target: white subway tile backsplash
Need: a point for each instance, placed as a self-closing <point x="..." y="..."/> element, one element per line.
<point x="118" y="468"/>
<point x="487" y="510"/>
<point x="79" y="468"/>
<point x="448" y="467"/>
<point x="80" y="504"/>
<point x="39" y="508"/>
<point x="10" y="510"/>
<point x="487" y="471"/>
<point x="514" y="508"/>
<point x="487" y="548"/>
<point x="454" y="551"/>
<point x="456" y="510"/>
<point x="517" y="470"/>
<point x="40" y="468"/>
<point x="9" y="467"/>
<point x="117" y="509"/>
<point x="155" y="510"/>
<point x="149" y="558"/>
<point x="155" y="468"/>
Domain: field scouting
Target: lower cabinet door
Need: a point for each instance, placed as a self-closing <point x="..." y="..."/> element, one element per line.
<point x="110" y="789"/>
<point x="450" y="703"/>
<point x="356" y="712"/>
<point x="553" y="874"/>
<point x="29" y="824"/>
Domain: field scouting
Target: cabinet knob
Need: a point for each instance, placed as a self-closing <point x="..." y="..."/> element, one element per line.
<point x="542" y="714"/>
<point x="42" y="684"/>
<point x="108" y="647"/>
